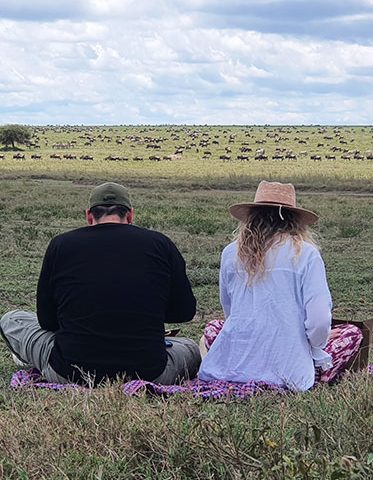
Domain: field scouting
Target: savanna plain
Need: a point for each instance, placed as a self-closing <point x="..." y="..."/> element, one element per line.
<point x="182" y="180"/>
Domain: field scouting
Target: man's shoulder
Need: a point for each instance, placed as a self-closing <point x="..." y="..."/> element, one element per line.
<point x="70" y="234"/>
<point x="142" y="232"/>
<point x="130" y="231"/>
<point x="156" y="236"/>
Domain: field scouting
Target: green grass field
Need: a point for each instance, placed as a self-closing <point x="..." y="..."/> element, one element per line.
<point x="323" y="434"/>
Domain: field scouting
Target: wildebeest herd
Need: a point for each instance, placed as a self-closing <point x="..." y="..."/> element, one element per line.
<point x="227" y="144"/>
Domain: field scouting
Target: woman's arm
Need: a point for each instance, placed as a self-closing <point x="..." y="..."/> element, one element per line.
<point x="225" y="299"/>
<point x="317" y="303"/>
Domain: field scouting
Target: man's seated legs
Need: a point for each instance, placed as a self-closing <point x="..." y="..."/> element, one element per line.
<point x="29" y="343"/>
<point x="182" y="363"/>
<point x="32" y="346"/>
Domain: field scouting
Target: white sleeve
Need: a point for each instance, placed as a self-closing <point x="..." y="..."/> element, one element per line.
<point x="317" y="303"/>
<point x="225" y="299"/>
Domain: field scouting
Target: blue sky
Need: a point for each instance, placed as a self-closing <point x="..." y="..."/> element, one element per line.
<point x="186" y="61"/>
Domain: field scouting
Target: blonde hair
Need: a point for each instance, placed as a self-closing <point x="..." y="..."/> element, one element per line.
<point x="265" y="228"/>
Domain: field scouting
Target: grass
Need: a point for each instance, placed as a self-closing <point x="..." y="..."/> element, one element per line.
<point x="101" y="434"/>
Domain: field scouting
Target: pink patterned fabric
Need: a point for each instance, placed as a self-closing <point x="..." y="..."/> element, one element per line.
<point x="33" y="379"/>
<point x="207" y="390"/>
<point x="211" y="331"/>
<point x="198" y="389"/>
<point x="343" y="344"/>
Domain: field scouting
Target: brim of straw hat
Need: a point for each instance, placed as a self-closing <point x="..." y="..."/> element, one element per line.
<point x="240" y="211"/>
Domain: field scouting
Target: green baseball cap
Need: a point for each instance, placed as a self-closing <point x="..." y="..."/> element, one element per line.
<point x="110" y="193"/>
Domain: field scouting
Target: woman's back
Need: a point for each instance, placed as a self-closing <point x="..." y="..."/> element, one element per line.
<point x="266" y="335"/>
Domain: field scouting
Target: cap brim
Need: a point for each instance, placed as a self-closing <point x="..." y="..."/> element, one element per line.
<point x="109" y="204"/>
<point x="240" y="211"/>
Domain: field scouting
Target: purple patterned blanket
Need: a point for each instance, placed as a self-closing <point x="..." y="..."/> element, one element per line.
<point x="197" y="388"/>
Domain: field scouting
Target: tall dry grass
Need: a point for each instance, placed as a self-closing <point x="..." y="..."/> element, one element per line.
<point x="90" y="434"/>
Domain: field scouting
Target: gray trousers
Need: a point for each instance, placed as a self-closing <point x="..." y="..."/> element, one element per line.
<point x="33" y="345"/>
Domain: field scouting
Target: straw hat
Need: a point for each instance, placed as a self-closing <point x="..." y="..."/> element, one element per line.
<point x="272" y="194"/>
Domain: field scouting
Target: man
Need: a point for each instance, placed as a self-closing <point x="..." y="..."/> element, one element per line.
<point x="104" y="294"/>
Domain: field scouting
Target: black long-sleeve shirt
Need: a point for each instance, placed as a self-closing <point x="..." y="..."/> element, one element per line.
<point x="106" y="291"/>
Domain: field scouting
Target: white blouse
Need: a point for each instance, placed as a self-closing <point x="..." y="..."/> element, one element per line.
<point x="275" y="329"/>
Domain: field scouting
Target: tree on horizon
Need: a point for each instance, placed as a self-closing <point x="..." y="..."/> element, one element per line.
<point x="12" y="134"/>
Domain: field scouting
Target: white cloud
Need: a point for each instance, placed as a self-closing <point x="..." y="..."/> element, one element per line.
<point x="131" y="62"/>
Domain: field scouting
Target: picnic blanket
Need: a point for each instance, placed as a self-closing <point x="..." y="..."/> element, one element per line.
<point x="197" y="388"/>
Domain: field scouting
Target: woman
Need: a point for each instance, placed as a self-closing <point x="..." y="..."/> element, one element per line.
<point x="275" y="298"/>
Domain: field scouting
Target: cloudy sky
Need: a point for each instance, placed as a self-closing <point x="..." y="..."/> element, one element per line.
<point x="186" y="61"/>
